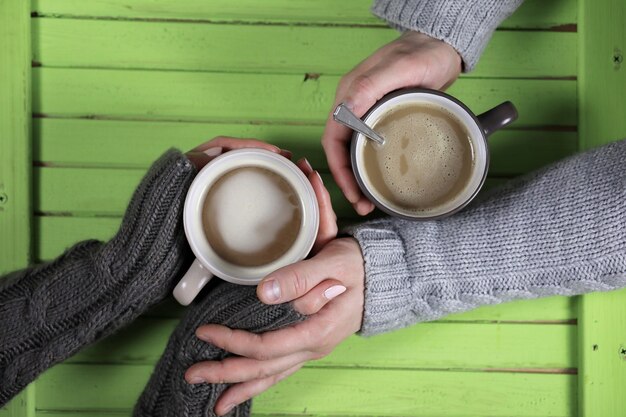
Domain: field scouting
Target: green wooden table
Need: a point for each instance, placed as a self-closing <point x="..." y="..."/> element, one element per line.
<point x="92" y="91"/>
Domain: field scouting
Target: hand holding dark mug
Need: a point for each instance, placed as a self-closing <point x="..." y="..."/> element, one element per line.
<point x="435" y="156"/>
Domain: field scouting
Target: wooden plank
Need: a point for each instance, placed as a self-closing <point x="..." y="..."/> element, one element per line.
<point x="529" y="347"/>
<point x="362" y="392"/>
<point x="15" y="143"/>
<point x="90" y="413"/>
<point x="72" y="191"/>
<point x="15" y="156"/>
<point x="131" y="144"/>
<point x="535" y="14"/>
<point x="198" y="96"/>
<point x="77" y="43"/>
<point x="602" y="101"/>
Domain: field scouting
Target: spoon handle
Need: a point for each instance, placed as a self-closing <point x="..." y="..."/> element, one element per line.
<point x="343" y="115"/>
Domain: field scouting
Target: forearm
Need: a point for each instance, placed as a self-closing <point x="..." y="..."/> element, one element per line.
<point x="559" y="231"/>
<point x="465" y="25"/>
<point x="48" y="312"/>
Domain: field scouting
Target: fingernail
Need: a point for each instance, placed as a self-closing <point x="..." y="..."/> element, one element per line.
<point x="287" y="154"/>
<point x="307" y="164"/>
<point x="320" y="177"/>
<point x="271" y="289"/>
<point x="213" y="151"/>
<point x="334" y="291"/>
<point x="203" y="336"/>
<point x="228" y="408"/>
<point x="196" y="380"/>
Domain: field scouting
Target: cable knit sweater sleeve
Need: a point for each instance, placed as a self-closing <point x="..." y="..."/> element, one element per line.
<point x="559" y="231"/>
<point x="48" y="312"/>
<point x="466" y="25"/>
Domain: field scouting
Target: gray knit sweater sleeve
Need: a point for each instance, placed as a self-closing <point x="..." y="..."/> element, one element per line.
<point x="559" y="231"/>
<point x="466" y="25"/>
<point x="48" y="312"/>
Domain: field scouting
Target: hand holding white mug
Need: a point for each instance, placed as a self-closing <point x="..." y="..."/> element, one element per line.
<point x="412" y="60"/>
<point x="249" y="212"/>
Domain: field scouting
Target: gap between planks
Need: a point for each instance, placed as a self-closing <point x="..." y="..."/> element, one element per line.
<point x="567" y="27"/>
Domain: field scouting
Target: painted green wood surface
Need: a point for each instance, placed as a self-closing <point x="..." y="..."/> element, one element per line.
<point x="442" y="345"/>
<point x="15" y="157"/>
<point x="342" y="391"/>
<point x="532" y="14"/>
<point x="276" y="49"/>
<point x="114" y="143"/>
<point x="602" y="107"/>
<point x="15" y="144"/>
<point x="199" y="96"/>
<point x="192" y="89"/>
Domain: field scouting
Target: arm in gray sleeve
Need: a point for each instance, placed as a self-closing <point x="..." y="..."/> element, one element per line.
<point x="466" y="25"/>
<point x="558" y="231"/>
<point x="50" y="311"/>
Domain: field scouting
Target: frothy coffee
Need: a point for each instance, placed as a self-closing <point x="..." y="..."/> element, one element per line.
<point x="426" y="160"/>
<point x="251" y="216"/>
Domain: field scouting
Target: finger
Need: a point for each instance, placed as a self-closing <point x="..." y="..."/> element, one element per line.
<point x="305" y="166"/>
<point x="240" y="393"/>
<point x="318" y="297"/>
<point x="335" y="143"/>
<point x="364" y="206"/>
<point x="328" y="219"/>
<point x="300" y="337"/>
<point x="370" y="86"/>
<point x="241" y="369"/>
<point x="295" y="280"/>
<point x="201" y="158"/>
<point x="230" y="143"/>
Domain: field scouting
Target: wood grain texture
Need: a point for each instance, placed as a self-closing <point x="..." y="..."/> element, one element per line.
<point x="77" y="43"/>
<point x="533" y="14"/>
<point x="72" y="191"/>
<point x="15" y="156"/>
<point x="15" y="143"/>
<point x="161" y="73"/>
<point x="134" y="144"/>
<point x="441" y="345"/>
<point x="602" y="105"/>
<point x="224" y="97"/>
<point x="315" y="391"/>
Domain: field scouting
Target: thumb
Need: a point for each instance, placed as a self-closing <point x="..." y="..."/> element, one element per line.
<point x="293" y="281"/>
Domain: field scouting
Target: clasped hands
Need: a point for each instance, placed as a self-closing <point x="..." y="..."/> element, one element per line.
<point x="329" y="286"/>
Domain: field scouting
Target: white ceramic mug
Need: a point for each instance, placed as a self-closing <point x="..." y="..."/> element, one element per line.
<point x="208" y="263"/>
<point x="478" y="127"/>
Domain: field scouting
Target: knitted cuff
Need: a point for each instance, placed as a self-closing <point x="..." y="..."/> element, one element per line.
<point x="151" y="235"/>
<point x="167" y="393"/>
<point x="388" y="296"/>
<point x="465" y="25"/>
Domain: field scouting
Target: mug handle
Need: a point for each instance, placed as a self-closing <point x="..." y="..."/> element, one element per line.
<point x="192" y="283"/>
<point x="498" y="117"/>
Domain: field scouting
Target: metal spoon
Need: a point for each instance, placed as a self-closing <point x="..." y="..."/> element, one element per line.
<point x="343" y="115"/>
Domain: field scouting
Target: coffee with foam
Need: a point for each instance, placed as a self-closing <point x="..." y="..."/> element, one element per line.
<point x="251" y="216"/>
<point x="426" y="160"/>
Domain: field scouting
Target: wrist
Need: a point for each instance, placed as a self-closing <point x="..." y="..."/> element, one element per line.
<point x="444" y="52"/>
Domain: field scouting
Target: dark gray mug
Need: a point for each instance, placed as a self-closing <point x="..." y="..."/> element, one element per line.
<point x="478" y="127"/>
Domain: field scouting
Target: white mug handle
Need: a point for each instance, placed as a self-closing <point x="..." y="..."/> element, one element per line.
<point x="192" y="283"/>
